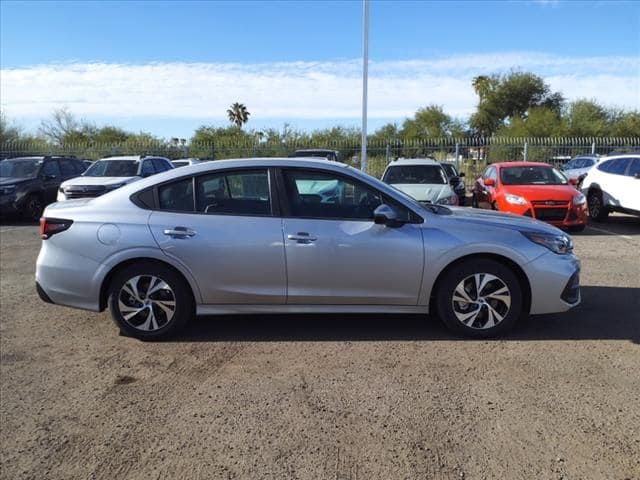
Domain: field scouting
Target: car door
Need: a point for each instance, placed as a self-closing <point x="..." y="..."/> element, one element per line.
<point x="229" y="235"/>
<point x="630" y="186"/>
<point x="486" y="197"/>
<point x="51" y="180"/>
<point x="614" y="182"/>
<point x="335" y="254"/>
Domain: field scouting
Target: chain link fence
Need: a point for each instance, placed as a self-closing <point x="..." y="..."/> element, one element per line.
<point x="471" y="154"/>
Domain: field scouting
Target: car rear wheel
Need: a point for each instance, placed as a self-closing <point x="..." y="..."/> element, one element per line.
<point x="150" y="301"/>
<point x="34" y="206"/>
<point x="480" y="298"/>
<point x="596" y="207"/>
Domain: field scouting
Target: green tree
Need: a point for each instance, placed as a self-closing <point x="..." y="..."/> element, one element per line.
<point x="626" y="124"/>
<point x="586" y="118"/>
<point x="238" y="114"/>
<point x="9" y="132"/>
<point x="505" y="98"/>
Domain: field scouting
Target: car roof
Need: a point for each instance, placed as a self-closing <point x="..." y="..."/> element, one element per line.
<point x="324" y="150"/>
<point x="413" y="161"/>
<point x="521" y="164"/>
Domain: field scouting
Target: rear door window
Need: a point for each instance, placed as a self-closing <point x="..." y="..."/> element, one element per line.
<point x="244" y="192"/>
<point x="634" y="168"/>
<point x="66" y="166"/>
<point x="51" y="168"/>
<point x="147" y="168"/>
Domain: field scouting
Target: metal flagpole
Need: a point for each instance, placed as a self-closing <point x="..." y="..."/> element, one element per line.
<point x="365" y="79"/>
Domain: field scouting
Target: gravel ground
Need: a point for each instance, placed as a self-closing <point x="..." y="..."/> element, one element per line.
<point x="325" y="397"/>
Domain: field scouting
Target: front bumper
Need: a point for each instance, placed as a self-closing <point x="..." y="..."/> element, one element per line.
<point x="8" y="205"/>
<point x="559" y="215"/>
<point x="555" y="283"/>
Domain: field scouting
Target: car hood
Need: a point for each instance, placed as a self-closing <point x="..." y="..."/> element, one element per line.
<point x="490" y="218"/>
<point x="103" y="181"/>
<point x="425" y="192"/>
<point x="4" y="181"/>
<point x="541" y="192"/>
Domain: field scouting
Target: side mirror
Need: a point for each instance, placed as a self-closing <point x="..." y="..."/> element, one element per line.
<point x="573" y="181"/>
<point x="489" y="182"/>
<point x="387" y="216"/>
<point x="454" y="180"/>
<point x="461" y="174"/>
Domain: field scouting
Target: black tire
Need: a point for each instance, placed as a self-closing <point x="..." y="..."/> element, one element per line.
<point x="494" y="206"/>
<point x="33" y="207"/>
<point x="474" y="201"/>
<point x="483" y="324"/>
<point x="595" y="205"/>
<point x="162" y="325"/>
<point x="577" y="228"/>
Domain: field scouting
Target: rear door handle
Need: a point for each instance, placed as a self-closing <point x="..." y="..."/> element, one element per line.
<point x="302" y="237"/>
<point x="179" y="232"/>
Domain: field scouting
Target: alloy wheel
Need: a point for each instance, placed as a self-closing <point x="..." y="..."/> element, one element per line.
<point x="481" y="301"/>
<point x="146" y="302"/>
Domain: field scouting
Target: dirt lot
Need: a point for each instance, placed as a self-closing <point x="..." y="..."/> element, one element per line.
<point x="325" y="397"/>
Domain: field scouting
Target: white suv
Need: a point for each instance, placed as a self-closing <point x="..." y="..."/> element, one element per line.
<point x="421" y="178"/>
<point x="613" y="185"/>
<point x="110" y="173"/>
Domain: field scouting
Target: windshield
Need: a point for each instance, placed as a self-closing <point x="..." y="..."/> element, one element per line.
<point x="450" y="170"/>
<point x="532" y="176"/>
<point x="113" y="168"/>
<point x="424" y="174"/>
<point x="20" y="168"/>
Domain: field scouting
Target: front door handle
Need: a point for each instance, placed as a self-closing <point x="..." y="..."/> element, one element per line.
<point x="301" y="237"/>
<point x="179" y="232"/>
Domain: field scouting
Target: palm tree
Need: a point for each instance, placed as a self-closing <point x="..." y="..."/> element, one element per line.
<point x="238" y="114"/>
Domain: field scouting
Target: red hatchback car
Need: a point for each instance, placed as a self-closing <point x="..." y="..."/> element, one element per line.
<point x="531" y="189"/>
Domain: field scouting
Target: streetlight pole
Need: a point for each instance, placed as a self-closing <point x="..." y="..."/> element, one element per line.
<point x="365" y="79"/>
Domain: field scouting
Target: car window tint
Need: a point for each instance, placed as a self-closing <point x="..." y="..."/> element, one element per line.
<point x="234" y="193"/>
<point x="147" y="168"/>
<point x="177" y="196"/>
<point x="588" y="162"/>
<point x="160" y="165"/>
<point x="493" y="173"/>
<point x="323" y="195"/>
<point x="79" y="166"/>
<point x="66" y="166"/>
<point x="634" y="168"/>
<point x="619" y="166"/>
<point x="51" y="168"/>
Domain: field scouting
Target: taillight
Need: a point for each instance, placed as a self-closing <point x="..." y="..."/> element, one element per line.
<point x="51" y="226"/>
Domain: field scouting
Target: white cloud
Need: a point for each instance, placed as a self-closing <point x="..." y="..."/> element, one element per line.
<point x="299" y="90"/>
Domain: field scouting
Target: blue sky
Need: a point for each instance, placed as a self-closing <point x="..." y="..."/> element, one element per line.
<point x="167" y="67"/>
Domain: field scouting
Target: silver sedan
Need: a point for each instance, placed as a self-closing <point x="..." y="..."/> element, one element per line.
<point x="296" y="236"/>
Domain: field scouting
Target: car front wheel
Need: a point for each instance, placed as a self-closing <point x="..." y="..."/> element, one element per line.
<point x="597" y="210"/>
<point x="480" y="298"/>
<point x="150" y="301"/>
<point x="34" y="208"/>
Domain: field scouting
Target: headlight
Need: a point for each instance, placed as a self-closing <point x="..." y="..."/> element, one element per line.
<point x="560" y="244"/>
<point x="579" y="199"/>
<point x="452" y="200"/>
<point x="7" y="190"/>
<point x="514" y="199"/>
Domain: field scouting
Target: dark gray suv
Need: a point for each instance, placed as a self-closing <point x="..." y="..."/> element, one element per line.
<point x="28" y="184"/>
